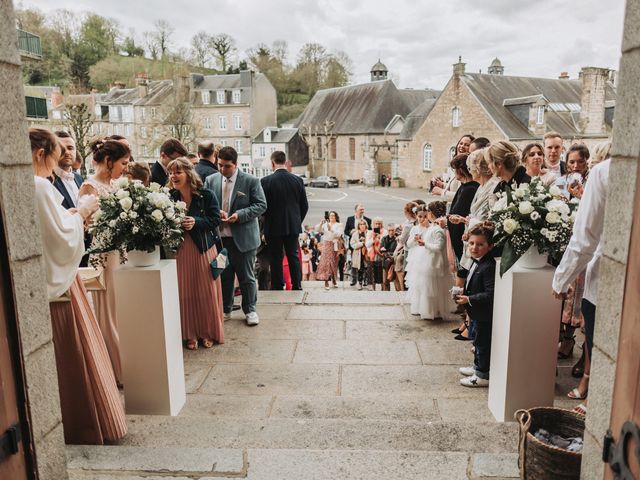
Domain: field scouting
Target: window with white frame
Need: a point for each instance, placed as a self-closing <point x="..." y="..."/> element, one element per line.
<point x="427" y="158"/>
<point x="238" y="146"/>
<point x="262" y="151"/>
<point x="223" y="143"/>
<point x="206" y="123"/>
<point x="237" y="122"/>
<point x="143" y="132"/>
<point x="221" y="97"/>
<point x="143" y="113"/>
<point x="97" y="111"/>
<point x="272" y="149"/>
<point x="154" y="112"/>
<point x="236" y="97"/>
<point x="455" y="117"/>
<point x="222" y="122"/>
<point x="206" y="97"/>
<point x="57" y="114"/>
<point x="128" y="113"/>
<point x="540" y="115"/>
<point x="452" y="153"/>
<point x="156" y="132"/>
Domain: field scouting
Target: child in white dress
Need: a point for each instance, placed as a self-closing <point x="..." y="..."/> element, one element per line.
<point x="427" y="277"/>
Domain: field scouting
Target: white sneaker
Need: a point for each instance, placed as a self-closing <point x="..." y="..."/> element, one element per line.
<point x="467" y="371"/>
<point x="474" y="382"/>
<point x="227" y="316"/>
<point x="252" y="318"/>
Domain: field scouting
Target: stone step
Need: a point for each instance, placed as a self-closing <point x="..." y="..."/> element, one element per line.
<point x="180" y="463"/>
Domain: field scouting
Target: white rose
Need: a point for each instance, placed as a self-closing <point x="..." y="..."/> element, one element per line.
<point x="122" y="194"/>
<point x="555" y="191"/>
<point x="121" y="182"/>
<point x="133" y="214"/>
<point x="525" y="208"/>
<point x="126" y="203"/>
<point x="555" y="205"/>
<point x="510" y="225"/>
<point x="181" y="205"/>
<point x="169" y="213"/>
<point x="154" y="187"/>
<point x="520" y="192"/>
<point x="157" y="215"/>
<point x="534" y="216"/>
<point x="552" y="217"/>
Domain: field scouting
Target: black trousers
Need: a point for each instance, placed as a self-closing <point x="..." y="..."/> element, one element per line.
<point x="589" y="314"/>
<point x="482" y="342"/>
<point x="277" y="247"/>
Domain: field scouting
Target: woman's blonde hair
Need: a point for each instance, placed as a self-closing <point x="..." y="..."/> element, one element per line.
<point x="503" y="153"/>
<point x="183" y="164"/>
<point x="360" y="222"/>
<point x="476" y="163"/>
<point x="601" y="152"/>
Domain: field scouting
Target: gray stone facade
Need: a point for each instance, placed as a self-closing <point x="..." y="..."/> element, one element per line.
<point x="24" y="251"/>
<point x="617" y="232"/>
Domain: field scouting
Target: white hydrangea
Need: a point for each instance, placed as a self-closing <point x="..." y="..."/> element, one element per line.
<point x="510" y="225"/>
<point x="157" y="215"/>
<point x="123" y="215"/>
<point x="133" y="214"/>
<point x="525" y="208"/>
<point x="126" y="203"/>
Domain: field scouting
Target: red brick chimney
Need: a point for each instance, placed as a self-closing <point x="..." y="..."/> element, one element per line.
<point x="564" y="76"/>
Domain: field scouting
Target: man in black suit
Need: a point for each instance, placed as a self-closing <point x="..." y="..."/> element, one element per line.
<point x="170" y="150"/>
<point x="350" y="226"/>
<point x="206" y="164"/>
<point x="66" y="181"/>
<point x="286" y="208"/>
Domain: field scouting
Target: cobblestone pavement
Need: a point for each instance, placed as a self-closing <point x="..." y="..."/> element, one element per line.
<point x="338" y="384"/>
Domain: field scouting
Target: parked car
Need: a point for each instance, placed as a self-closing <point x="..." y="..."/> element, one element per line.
<point x="304" y="178"/>
<point x="324" y="182"/>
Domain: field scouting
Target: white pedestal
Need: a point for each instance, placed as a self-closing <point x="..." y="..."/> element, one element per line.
<point x="148" y="309"/>
<point x="524" y="342"/>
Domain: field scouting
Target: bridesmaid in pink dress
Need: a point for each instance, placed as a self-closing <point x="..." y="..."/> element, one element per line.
<point x="111" y="158"/>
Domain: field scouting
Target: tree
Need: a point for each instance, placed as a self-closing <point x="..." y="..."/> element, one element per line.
<point x="131" y="49"/>
<point x="223" y="46"/>
<point x="79" y="120"/>
<point x="200" y="48"/>
<point x="163" y="32"/>
<point x="151" y="44"/>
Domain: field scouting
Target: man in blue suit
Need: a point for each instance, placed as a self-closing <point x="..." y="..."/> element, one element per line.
<point x="242" y="201"/>
<point x="64" y="179"/>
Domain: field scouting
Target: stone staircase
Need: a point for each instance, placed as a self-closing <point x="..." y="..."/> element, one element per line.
<point x="337" y="384"/>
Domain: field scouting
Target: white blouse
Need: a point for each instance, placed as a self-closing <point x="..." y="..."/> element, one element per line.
<point x="329" y="232"/>
<point x="62" y="238"/>
<point x="586" y="244"/>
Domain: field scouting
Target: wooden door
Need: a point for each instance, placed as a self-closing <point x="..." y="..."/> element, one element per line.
<point x="14" y="434"/>
<point x="626" y="391"/>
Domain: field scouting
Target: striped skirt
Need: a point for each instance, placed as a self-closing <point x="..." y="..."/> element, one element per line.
<point x="92" y="412"/>
<point x="200" y="295"/>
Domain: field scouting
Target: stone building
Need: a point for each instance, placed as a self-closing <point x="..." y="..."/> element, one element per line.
<point x="497" y="106"/>
<point x="271" y="139"/>
<point x="352" y="130"/>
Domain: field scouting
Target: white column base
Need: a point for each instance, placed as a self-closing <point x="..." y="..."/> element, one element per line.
<point x="524" y="342"/>
<point x="148" y="309"/>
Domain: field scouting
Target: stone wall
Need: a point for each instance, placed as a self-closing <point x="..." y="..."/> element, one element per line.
<point x="617" y="231"/>
<point x="25" y="260"/>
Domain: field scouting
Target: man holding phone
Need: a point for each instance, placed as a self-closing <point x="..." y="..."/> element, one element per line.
<point x="350" y="226"/>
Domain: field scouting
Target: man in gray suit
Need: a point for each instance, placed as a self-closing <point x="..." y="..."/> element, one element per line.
<point x="242" y="201"/>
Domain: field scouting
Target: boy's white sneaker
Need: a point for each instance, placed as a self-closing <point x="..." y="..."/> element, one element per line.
<point x="467" y="371"/>
<point x="474" y="382"/>
<point x="252" y="319"/>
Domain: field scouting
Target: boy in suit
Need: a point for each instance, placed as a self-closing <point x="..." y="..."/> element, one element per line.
<point x="477" y="299"/>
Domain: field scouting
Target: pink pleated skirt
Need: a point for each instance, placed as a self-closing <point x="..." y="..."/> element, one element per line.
<point x="200" y="295"/>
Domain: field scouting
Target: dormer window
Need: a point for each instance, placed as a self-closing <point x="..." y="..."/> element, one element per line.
<point x="220" y="97"/>
<point x="540" y="115"/>
<point x="455" y="117"/>
<point x="236" y="97"/>
<point x="206" y="97"/>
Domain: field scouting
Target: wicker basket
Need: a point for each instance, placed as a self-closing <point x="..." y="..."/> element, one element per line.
<point x="539" y="461"/>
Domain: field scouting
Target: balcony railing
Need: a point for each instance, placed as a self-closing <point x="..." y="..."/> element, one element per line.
<point x="29" y="45"/>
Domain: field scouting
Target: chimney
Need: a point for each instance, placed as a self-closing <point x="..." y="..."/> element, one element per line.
<point x="142" y="84"/>
<point x="182" y="88"/>
<point x="56" y="97"/>
<point x="564" y="76"/>
<point x="119" y="84"/>
<point x="458" y="68"/>
<point x="246" y="78"/>
<point x="594" y="83"/>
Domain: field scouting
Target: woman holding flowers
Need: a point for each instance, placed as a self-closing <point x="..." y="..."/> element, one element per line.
<point x="89" y="399"/>
<point x="201" y="311"/>
<point x="111" y="158"/>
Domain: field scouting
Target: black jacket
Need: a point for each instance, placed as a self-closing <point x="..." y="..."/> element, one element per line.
<point x="67" y="202"/>
<point x="158" y="174"/>
<point x="205" y="210"/>
<point x="351" y="225"/>
<point x="479" y="289"/>
<point x="519" y="177"/>
<point x="204" y="168"/>
<point x="461" y="205"/>
<point x="286" y="203"/>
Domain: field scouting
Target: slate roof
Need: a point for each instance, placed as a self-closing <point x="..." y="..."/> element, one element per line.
<point x="158" y="91"/>
<point x="416" y="118"/>
<point x="220" y="82"/>
<point x="280" y="135"/>
<point x="493" y="90"/>
<point x="361" y="109"/>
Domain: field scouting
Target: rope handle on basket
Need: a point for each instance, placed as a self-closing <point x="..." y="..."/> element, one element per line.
<point x="523" y="417"/>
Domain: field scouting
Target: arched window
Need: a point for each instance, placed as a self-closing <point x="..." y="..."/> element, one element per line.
<point x="455" y="117"/>
<point x="427" y="155"/>
<point x="452" y="153"/>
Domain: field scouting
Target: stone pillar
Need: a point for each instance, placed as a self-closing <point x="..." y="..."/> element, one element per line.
<point x="617" y="231"/>
<point x="24" y="250"/>
<point x="594" y="82"/>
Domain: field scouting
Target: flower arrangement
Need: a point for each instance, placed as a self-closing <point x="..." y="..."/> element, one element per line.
<point x="135" y="217"/>
<point x="532" y="215"/>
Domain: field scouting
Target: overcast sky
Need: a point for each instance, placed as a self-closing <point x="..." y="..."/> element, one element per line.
<point x="418" y="40"/>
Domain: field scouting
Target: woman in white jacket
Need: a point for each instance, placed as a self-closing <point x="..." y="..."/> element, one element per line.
<point x="359" y="258"/>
